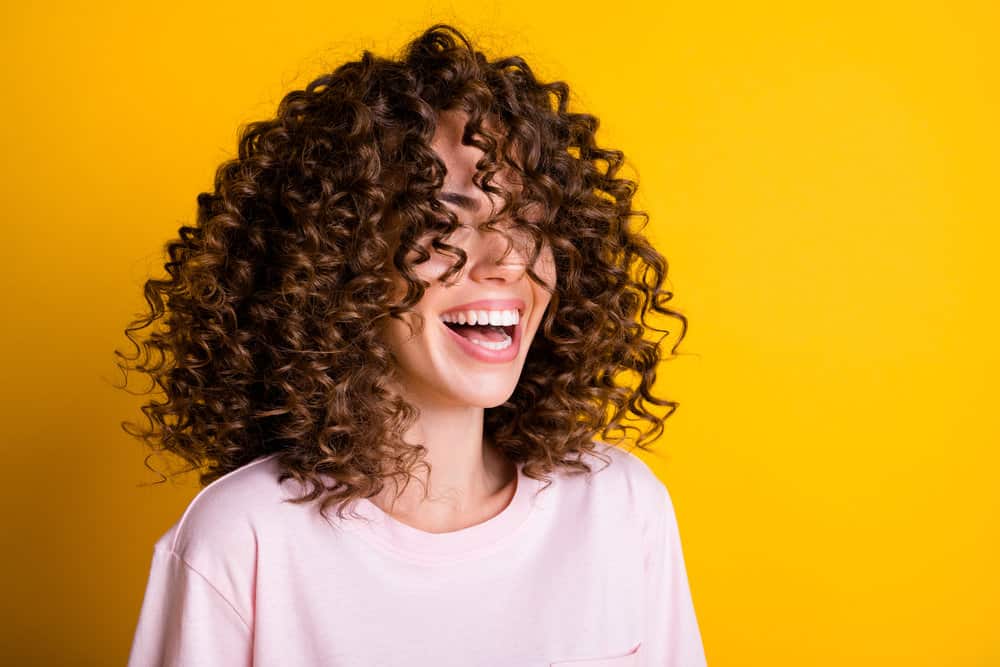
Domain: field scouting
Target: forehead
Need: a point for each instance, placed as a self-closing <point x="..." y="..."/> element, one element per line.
<point x="461" y="159"/>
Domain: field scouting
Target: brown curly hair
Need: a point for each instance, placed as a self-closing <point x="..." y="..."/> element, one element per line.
<point x="265" y="337"/>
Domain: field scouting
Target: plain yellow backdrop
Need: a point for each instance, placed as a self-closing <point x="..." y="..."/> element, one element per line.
<point x="821" y="176"/>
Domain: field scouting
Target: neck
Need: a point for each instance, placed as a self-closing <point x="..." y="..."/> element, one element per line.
<point x="468" y="474"/>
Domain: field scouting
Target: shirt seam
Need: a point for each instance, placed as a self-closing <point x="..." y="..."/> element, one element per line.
<point x="212" y="586"/>
<point x="453" y="558"/>
<point x="201" y="494"/>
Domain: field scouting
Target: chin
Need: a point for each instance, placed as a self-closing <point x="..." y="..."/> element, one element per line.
<point x="485" y="397"/>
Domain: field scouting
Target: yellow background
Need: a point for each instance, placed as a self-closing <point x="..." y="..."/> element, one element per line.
<point x="822" y="177"/>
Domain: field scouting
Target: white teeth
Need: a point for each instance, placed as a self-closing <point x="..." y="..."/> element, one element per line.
<point x="499" y="345"/>
<point x="503" y="318"/>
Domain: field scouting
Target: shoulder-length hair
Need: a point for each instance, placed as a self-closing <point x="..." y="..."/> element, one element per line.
<point x="264" y="337"/>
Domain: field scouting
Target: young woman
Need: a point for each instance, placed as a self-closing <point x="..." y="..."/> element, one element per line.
<point x="422" y="269"/>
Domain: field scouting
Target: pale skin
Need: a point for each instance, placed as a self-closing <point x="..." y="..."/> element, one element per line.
<point x="470" y="481"/>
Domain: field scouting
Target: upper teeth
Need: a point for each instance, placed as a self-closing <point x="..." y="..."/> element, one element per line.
<point x="502" y="318"/>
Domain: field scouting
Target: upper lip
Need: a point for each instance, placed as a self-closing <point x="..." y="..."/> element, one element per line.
<point x="489" y="304"/>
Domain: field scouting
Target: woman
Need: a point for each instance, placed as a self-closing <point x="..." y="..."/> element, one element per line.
<point x="422" y="264"/>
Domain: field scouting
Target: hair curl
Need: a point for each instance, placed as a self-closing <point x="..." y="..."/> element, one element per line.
<point x="265" y="337"/>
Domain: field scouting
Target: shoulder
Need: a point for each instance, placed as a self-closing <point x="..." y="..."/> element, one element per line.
<point x="631" y="480"/>
<point x="217" y="540"/>
<point x="227" y="516"/>
<point x="629" y="471"/>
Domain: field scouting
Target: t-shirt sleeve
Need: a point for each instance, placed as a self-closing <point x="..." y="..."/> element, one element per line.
<point x="185" y="620"/>
<point x="672" y="635"/>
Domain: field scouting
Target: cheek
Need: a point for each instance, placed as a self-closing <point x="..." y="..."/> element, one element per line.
<point x="403" y="342"/>
<point x="434" y="269"/>
<point x="545" y="267"/>
<point x="431" y="270"/>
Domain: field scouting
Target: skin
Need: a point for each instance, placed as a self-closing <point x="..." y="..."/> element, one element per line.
<point x="470" y="481"/>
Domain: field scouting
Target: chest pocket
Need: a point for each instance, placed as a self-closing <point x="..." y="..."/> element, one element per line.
<point x="630" y="659"/>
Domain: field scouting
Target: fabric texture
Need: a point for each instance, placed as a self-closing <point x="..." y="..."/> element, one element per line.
<point x="588" y="572"/>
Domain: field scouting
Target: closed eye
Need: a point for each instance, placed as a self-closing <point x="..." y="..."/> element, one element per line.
<point x="460" y="200"/>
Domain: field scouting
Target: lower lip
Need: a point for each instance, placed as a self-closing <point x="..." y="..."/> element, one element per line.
<point x="484" y="354"/>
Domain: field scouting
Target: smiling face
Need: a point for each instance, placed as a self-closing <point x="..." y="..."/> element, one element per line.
<point x="465" y="363"/>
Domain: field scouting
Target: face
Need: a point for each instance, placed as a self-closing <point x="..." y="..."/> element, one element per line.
<point x="464" y="363"/>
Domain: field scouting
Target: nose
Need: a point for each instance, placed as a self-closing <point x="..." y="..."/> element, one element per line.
<point x="488" y="259"/>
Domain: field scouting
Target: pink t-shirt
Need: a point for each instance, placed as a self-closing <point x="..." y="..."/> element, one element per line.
<point x="583" y="574"/>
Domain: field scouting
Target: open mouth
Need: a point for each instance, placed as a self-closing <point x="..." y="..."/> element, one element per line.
<point x="492" y="333"/>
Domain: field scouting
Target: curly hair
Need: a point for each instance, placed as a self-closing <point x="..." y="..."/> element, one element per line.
<point x="264" y="338"/>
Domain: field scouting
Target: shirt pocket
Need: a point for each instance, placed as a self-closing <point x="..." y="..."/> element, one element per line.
<point x="630" y="659"/>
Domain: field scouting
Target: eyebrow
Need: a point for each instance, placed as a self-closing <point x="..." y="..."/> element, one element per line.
<point x="460" y="200"/>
